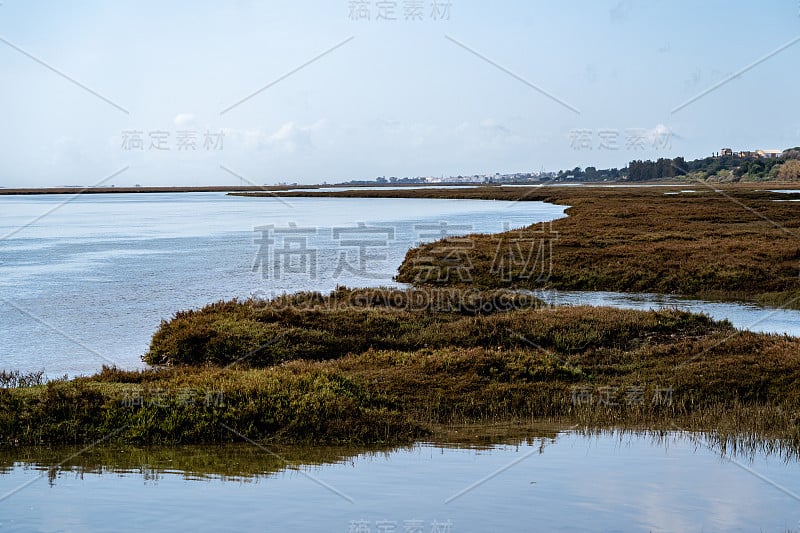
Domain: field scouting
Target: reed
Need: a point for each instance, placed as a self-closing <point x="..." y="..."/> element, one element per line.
<point x="596" y="367"/>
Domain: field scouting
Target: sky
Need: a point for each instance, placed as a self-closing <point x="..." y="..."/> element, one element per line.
<point x="206" y="93"/>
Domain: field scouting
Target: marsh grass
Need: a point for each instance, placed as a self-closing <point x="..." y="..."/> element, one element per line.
<point x="394" y="374"/>
<point x="735" y="242"/>
<point x="737" y="245"/>
<point x="388" y="366"/>
<point x="315" y="327"/>
<point x="10" y="379"/>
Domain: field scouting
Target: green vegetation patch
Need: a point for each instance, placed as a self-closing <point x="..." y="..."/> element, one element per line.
<point x="382" y="372"/>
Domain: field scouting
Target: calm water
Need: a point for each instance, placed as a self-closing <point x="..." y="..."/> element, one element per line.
<point x="563" y="481"/>
<point x="743" y="316"/>
<point x="86" y="283"/>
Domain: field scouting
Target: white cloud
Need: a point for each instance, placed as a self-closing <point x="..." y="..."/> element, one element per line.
<point x="492" y="125"/>
<point x="288" y="138"/>
<point x="662" y="134"/>
<point x="184" y="119"/>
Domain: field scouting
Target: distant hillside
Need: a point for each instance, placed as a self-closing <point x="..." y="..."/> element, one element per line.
<point x="727" y="168"/>
<point x="731" y="167"/>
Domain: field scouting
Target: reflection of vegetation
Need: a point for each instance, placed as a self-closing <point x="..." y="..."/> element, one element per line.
<point x="368" y="366"/>
<point x="233" y="461"/>
<point x="248" y="463"/>
<point x="517" y="365"/>
<point x="744" y="446"/>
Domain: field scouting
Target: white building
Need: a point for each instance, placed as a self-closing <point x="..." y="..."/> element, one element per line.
<point x="769" y="154"/>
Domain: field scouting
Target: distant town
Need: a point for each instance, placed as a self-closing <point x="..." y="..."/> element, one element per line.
<point x="726" y="165"/>
<point x="757" y="154"/>
<point x="518" y="177"/>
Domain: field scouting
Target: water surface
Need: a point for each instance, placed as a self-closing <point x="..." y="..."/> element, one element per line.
<point x="742" y="316"/>
<point x="86" y="279"/>
<point x="86" y="282"/>
<point x="554" y="481"/>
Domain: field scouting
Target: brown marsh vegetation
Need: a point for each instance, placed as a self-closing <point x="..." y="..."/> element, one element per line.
<point x="734" y="242"/>
<point x="386" y="366"/>
<point x="595" y="367"/>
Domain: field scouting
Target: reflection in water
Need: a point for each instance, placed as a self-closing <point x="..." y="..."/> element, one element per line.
<point x="227" y="463"/>
<point x="235" y="462"/>
<point x="471" y="480"/>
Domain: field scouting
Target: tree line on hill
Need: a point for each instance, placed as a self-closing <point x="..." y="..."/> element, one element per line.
<point x="716" y="168"/>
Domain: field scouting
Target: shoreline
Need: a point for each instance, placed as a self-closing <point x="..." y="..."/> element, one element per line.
<point x="289" y="190"/>
<point x="296" y="369"/>
<point x="731" y="243"/>
<point x="242" y="460"/>
<point x="358" y="367"/>
<point x="76" y="190"/>
<point x="144" y="190"/>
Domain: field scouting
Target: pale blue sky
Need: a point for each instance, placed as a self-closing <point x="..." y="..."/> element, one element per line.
<point x="401" y="98"/>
